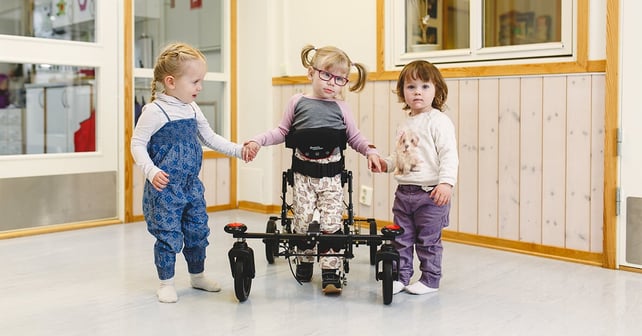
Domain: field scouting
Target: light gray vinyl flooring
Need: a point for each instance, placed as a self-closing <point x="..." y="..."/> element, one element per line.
<point x="102" y="281"/>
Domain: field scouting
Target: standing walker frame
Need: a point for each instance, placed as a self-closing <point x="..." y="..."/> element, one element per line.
<point x="283" y="242"/>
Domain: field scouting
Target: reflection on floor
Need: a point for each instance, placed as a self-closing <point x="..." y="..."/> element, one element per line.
<point x="102" y="281"/>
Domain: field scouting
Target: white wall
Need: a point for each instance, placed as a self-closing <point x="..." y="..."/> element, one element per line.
<point x="256" y="56"/>
<point x="270" y="37"/>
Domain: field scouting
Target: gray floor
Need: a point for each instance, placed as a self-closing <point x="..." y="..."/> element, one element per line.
<point x="102" y="281"/>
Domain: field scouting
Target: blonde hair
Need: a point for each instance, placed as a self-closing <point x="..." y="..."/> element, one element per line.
<point x="170" y="62"/>
<point x="328" y="57"/>
<point x="426" y="72"/>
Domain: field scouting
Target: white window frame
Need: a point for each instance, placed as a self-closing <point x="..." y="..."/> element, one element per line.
<point x="105" y="56"/>
<point x="395" y="38"/>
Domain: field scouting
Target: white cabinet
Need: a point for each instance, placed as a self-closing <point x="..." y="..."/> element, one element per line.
<point x="35" y="121"/>
<point x="10" y="131"/>
<point x="53" y="115"/>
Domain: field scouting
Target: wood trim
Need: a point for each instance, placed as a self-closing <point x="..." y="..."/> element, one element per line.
<point x="129" y="103"/>
<point x="221" y="207"/>
<point x="611" y="122"/>
<point x="630" y="269"/>
<point x="558" y="253"/>
<point x="210" y="154"/>
<point x="56" y="228"/>
<point x="258" y="207"/>
<point x="539" y="250"/>
<point x="481" y="71"/>
<point x="582" y="38"/>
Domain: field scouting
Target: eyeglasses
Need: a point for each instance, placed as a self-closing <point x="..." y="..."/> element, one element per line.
<point x="326" y="76"/>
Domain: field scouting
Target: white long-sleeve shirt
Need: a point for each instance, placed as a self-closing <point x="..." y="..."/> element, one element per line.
<point x="153" y="119"/>
<point x="425" y="151"/>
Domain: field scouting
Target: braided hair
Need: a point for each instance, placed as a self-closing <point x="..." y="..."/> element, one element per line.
<point x="170" y="62"/>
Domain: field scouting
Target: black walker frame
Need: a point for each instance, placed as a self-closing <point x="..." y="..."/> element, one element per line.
<point x="282" y="243"/>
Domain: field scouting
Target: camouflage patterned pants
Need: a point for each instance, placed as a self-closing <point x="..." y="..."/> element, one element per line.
<point x="326" y="195"/>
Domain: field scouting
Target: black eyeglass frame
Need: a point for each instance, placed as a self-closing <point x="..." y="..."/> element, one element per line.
<point x="329" y="76"/>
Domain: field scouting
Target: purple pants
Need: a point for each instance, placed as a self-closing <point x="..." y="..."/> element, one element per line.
<point x="422" y="222"/>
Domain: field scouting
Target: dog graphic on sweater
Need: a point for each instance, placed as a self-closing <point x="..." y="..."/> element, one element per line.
<point x="407" y="158"/>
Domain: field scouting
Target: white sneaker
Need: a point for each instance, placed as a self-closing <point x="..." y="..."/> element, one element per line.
<point x="397" y="287"/>
<point x="418" y="288"/>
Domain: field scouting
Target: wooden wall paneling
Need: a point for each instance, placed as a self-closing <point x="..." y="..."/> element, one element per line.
<point x="221" y="169"/>
<point x="565" y="139"/>
<point x="383" y="136"/>
<point x="468" y="179"/>
<point x="488" y="154"/>
<point x="530" y="210"/>
<point x="597" y="162"/>
<point x="365" y="121"/>
<point x="452" y="110"/>
<point x="554" y="161"/>
<point x="509" y="128"/>
<point x="578" y="157"/>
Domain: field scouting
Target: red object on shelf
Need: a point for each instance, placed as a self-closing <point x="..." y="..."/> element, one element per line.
<point x="85" y="136"/>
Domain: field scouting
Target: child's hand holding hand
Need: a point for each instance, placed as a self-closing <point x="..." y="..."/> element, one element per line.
<point x="374" y="163"/>
<point x="381" y="168"/>
<point x="249" y="151"/>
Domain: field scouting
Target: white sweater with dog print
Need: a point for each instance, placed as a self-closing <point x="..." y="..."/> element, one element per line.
<point x="425" y="152"/>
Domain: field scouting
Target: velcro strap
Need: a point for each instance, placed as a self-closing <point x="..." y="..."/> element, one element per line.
<point x="315" y="169"/>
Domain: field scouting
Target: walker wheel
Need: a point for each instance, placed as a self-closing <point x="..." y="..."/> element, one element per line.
<point x="386" y="283"/>
<point x="242" y="281"/>
<point x="271" y="244"/>
<point x="373" y="245"/>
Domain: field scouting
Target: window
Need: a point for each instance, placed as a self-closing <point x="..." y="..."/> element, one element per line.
<point x="59" y="76"/>
<point x="199" y="23"/>
<point x="458" y="31"/>
<point x="47" y="107"/>
<point x="50" y="19"/>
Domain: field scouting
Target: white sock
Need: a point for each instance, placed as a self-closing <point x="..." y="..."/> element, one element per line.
<point x="418" y="288"/>
<point x="199" y="281"/>
<point x="397" y="287"/>
<point x="166" y="292"/>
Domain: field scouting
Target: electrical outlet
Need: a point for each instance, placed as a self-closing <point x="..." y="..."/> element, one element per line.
<point x="365" y="195"/>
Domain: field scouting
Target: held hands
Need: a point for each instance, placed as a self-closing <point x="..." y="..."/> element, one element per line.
<point x="250" y="150"/>
<point x="160" y="180"/>
<point x="380" y="167"/>
<point x="441" y="194"/>
<point x="374" y="163"/>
